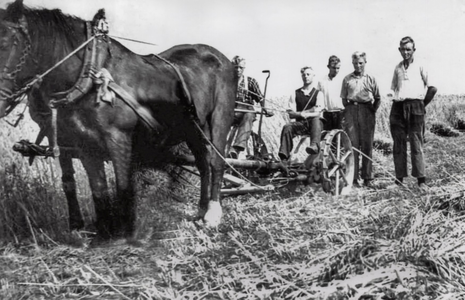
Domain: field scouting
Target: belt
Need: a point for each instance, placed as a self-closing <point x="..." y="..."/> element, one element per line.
<point x="357" y="103"/>
<point x="406" y="100"/>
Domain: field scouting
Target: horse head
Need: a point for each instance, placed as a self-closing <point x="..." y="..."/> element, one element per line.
<point x="15" y="47"/>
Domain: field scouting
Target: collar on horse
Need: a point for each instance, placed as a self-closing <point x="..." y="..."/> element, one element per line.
<point x="94" y="59"/>
<point x="14" y="98"/>
<point x="93" y="67"/>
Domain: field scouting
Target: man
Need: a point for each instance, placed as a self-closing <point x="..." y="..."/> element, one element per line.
<point x="248" y="92"/>
<point x="330" y="89"/>
<point x="308" y="114"/>
<point x="412" y="93"/>
<point x="361" y="99"/>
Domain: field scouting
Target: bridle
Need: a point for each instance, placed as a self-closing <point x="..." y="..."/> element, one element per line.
<point x="14" y="98"/>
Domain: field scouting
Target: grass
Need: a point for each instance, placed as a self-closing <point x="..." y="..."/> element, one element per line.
<point x="372" y="244"/>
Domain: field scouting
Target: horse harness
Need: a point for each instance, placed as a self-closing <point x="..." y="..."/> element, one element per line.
<point x="92" y="73"/>
<point x="15" y="98"/>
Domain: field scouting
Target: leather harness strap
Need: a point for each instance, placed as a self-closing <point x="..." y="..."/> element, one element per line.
<point x="93" y="61"/>
<point x="142" y="112"/>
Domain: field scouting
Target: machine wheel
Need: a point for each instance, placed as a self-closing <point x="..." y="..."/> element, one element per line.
<point x="337" y="163"/>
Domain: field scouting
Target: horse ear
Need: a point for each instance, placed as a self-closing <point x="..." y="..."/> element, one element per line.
<point x="15" y="11"/>
<point x="98" y="16"/>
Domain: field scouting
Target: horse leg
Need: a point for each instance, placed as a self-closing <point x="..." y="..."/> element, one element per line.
<point x="219" y="127"/>
<point x="95" y="169"/>
<point x="214" y="212"/>
<point x="201" y="155"/>
<point x="76" y="221"/>
<point x="120" y="148"/>
<point x="210" y="211"/>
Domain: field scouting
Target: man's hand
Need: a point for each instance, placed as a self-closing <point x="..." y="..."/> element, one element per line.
<point x="293" y="114"/>
<point x="267" y="112"/>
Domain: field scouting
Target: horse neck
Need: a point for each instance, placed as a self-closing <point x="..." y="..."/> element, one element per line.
<point x="126" y="68"/>
<point x="51" y="41"/>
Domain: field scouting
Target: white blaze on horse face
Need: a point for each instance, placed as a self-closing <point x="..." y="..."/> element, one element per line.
<point x="213" y="216"/>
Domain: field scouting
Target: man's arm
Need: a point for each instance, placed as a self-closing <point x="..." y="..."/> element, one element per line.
<point x="344" y="92"/>
<point x="255" y="94"/>
<point x="431" y="92"/>
<point x="376" y="95"/>
<point x="394" y="82"/>
<point x="317" y="110"/>
<point x="299" y="115"/>
<point x="430" y="95"/>
<point x="310" y="114"/>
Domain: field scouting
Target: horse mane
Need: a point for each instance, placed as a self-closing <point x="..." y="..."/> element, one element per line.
<point x="50" y="25"/>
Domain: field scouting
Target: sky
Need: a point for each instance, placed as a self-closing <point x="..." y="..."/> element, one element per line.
<point x="283" y="36"/>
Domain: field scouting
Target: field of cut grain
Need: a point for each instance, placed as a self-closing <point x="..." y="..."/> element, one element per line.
<point x="378" y="243"/>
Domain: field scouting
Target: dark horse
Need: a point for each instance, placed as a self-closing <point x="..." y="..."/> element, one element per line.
<point x="163" y="85"/>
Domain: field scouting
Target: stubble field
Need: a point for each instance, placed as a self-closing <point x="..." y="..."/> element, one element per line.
<point x="383" y="243"/>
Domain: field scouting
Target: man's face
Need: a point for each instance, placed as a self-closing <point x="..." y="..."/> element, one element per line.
<point x="407" y="50"/>
<point x="307" y="76"/>
<point x="239" y="69"/>
<point x="334" y="69"/>
<point x="359" y="64"/>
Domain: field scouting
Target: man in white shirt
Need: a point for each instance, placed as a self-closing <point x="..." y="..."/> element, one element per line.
<point x="412" y="92"/>
<point x="330" y="89"/>
<point x="361" y="99"/>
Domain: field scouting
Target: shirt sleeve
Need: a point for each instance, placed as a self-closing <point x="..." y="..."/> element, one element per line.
<point x="375" y="90"/>
<point x="424" y="76"/>
<point x="344" y="89"/>
<point x="320" y="102"/>
<point x="255" y="94"/>
<point x="394" y="82"/>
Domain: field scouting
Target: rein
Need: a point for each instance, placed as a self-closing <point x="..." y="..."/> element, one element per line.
<point x="39" y="78"/>
<point x="80" y="88"/>
<point x="131" y="40"/>
<point x="92" y="63"/>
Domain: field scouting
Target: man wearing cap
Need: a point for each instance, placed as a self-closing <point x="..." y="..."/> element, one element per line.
<point x="248" y="92"/>
<point x="361" y="99"/>
<point x="308" y="114"/>
<point x="412" y="93"/>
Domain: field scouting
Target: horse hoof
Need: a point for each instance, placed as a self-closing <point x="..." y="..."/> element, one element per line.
<point x="213" y="215"/>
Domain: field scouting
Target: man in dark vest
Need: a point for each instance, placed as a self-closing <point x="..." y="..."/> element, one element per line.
<point x="308" y="116"/>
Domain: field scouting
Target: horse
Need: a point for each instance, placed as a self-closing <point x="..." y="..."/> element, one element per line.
<point x="188" y="91"/>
